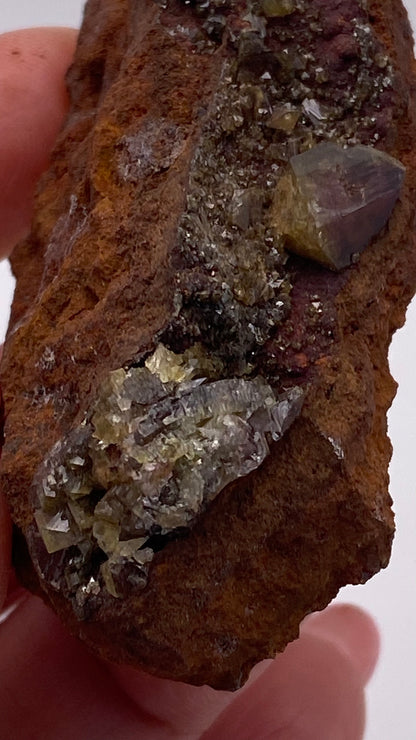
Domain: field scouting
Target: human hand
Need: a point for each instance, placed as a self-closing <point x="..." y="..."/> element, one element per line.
<point x="51" y="688"/>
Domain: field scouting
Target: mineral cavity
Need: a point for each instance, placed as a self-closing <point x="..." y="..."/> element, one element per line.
<point x="161" y="442"/>
<point x="332" y="201"/>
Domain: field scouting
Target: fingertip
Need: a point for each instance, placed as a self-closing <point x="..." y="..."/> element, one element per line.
<point x="33" y="103"/>
<point x="352" y="630"/>
<point x="51" y="687"/>
<point x="310" y="691"/>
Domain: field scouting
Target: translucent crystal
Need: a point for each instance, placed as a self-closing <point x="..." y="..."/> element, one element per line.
<point x="278" y="8"/>
<point x="168" y="366"/>
<point x="56" y="531"/>
<point x="126" y="568"/>
<point x="315" y="111"/>
<point x="106" y="534"/>
<point x="246" y="208"/>
<point x="332" y="201"/>
<point x="284" y="118"/>
<point x="82" y="512"/>
<point x="153" y="466"/>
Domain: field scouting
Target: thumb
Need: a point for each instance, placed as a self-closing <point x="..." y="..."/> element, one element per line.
<point x="33" y="102"/>
<point x="315" y="689"/>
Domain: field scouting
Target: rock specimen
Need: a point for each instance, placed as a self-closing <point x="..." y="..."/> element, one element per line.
<point x="195" y="374"/>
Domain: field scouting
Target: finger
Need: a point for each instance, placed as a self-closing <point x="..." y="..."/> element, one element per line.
<point x="340" y="635"/>
<point x="50" y="687"/>
<point x="187" y="710"/>
<point x="353" y="631"/>
<point x="313" y="690"/>
<point x="5" y="548"/>
<point x="33" y="103"/>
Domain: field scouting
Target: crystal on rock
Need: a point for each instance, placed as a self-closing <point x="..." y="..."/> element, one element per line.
<point x="246" y="208"/>
<point x="332" y="201"/>
<point x="315" y="111"/>
<point x="278" y="8"/>
<point x="168" y="366"/>
<point x="161" y="443"/>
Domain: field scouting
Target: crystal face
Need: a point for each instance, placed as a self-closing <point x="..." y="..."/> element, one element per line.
<point x="161" y="442"/>
<point x="332" y="201"/>
<point x="278" y="8"/>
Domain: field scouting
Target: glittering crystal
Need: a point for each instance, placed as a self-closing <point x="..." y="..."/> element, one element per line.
<point x="152" y="468"/>
<point x="278" y="8"/>
<point x="57" y="532"/>
<point x="92" y="587"/>
<point x="77" y="461"/>
<point x="284" y="118"/>
<point x="332" y="201"/>
<point x="246" y="208"/>
<point x="168" y="366"/>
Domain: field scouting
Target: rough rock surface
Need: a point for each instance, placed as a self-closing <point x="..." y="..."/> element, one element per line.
<point x="165" y="99"/>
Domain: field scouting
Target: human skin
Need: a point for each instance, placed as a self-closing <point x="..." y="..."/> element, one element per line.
<point x="51" y="688"/>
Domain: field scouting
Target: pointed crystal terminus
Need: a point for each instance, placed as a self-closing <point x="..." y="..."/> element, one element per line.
<point x="332" y="201"/>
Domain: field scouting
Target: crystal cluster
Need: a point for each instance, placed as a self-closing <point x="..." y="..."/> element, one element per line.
<point x="333" y="200"/>
<point x="160" y="444"/>
<point x="271" y="107"/>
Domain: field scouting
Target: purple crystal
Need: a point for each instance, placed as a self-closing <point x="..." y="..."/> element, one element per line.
<point x="333" y="201"/>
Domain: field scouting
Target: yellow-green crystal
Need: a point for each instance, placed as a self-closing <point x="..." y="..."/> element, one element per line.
<point x="332" y="201"/>
<point x="284" y="118"/>
<point x="278" y="8"/>
<point x="163" y="440"/>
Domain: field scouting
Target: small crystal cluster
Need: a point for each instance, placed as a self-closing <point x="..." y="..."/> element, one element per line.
<point x="332" y="201"/>
<point x="160" y="444"/>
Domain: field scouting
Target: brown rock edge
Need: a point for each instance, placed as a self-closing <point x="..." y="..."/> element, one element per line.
<point x="91" y="296"/>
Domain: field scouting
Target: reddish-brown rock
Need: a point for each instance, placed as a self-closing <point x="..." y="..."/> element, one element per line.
<point x="97" y="279"/>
